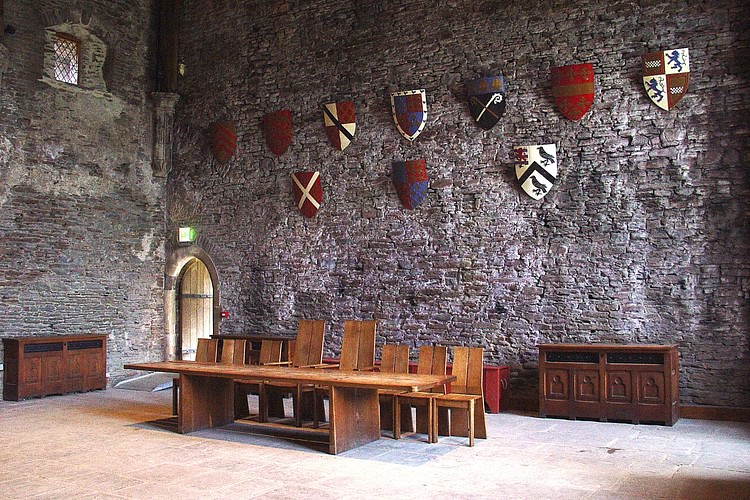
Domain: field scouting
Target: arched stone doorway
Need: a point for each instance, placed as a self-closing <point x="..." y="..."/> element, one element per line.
<point x="195" y="264"/>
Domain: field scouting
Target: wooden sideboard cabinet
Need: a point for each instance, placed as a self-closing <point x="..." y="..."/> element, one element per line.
<point x="632" y="382"/>
<point x="40" y="366"/>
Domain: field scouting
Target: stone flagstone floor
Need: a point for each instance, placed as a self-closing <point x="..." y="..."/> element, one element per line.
<point x="101" y="445"/>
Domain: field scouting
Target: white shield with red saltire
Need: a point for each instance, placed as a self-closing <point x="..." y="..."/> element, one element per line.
<point x="339" y="120"/>
<point x="308" y="192"/>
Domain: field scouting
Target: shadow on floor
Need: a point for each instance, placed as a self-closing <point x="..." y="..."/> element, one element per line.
<point x="410" y="450"/>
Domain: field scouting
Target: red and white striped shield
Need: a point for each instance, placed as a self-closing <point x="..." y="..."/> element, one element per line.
<point x="223" y="141"/>
<point x="308" y="192"/>
<point x="339" y="120"/>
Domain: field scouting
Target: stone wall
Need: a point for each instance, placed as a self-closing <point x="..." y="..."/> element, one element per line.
<point x="644" y="238"/>
<point x="81" y="218"/>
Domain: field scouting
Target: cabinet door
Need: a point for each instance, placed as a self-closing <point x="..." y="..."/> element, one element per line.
<point x="42" y="370"/>
<point x="651" y="388"/>
<point x="556" y="384"/>
<point x="85" y="365"/>
<point x="587" y="385"/>
<point x="619" y="386"/>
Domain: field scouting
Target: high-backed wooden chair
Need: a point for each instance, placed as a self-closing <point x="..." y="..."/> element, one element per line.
<point x="270" y="352"/>
<point x="432" y="361"/>
<point x="357" y="353"/>
<point x="358" y="346"/>
<point x="394" y="358"/>
<point x="233" y="352"/>
<point x="205" y="352"/>
<point x="308" y="353"/>
<point x="466" y="394"/>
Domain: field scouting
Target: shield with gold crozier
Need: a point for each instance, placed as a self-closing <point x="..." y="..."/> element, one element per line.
<point x="573" y="89"/>
<point x="666" y="75"/>
<point x="278" y="128"/>
<point x="486" y="100"/>
<point x="410" y="179"/>
<point x="339" y="120"/>
<point x="536" y="168"/>
<point x="409" y="110"/>
<point x="308" y="192"/>
<point x="223" y="141"/>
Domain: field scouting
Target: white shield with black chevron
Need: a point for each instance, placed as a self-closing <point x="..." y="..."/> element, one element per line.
<point x="536" y="168"/>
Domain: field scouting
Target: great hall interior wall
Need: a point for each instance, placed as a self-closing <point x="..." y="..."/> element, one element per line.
<point x="643" y="238"/>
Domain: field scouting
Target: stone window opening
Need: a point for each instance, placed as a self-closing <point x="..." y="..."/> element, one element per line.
<point x="67" y="58"/>
<point x="74" y="59"/>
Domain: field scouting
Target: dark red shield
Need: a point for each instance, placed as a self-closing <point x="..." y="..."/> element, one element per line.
<point x="308" y="192"/>
<point x="573" y="89"/>
<point x="278" y="127"/>
<point x="223" y="141"/>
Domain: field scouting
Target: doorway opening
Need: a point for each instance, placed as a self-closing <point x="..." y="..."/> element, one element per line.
<point x="195" y="307"/>
<point x="191" y="301"/>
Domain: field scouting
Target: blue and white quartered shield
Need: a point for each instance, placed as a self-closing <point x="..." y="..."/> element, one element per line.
<point x="409" y="109"/>
<point x="666" y="75"/>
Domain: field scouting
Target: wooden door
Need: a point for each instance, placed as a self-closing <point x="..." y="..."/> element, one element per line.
<point x="196" y="307"/>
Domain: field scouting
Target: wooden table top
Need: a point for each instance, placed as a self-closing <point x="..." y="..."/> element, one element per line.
<point x="326" y="377"/>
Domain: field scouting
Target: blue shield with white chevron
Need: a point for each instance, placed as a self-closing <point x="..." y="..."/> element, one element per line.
<point x="536" y="168"/>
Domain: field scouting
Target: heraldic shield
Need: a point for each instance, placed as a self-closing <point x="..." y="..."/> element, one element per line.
<point x="278" y="128"/>
<point x="339" y="120"/>
<point x="486" y="100"/>
<point x="666" y="75"/>
<point x="409" y="109"/>
<point x="223" y="141"/>
<point x="573" y="89"/>
<point x="410" y="178"/>
<point x="308" y="192"/>
<point x="536" y="168"/>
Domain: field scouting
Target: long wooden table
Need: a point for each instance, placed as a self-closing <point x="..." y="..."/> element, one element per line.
<point x="207" y="395"/>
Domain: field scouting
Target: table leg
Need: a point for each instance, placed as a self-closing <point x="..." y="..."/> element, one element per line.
<point x="354" y="416"/>
<point x="205" y="402"/>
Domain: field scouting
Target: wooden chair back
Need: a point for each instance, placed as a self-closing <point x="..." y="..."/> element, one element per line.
<point x="394" y="358"/>
<point x="432" y="361"/>
<point x="468" y="367"/>
<point x="358" y="346"/>
<point x="308" y="347"/>
<point x="233" y="352"/>
<point x="270" y="351"/>
<point x="207" y="350"/>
